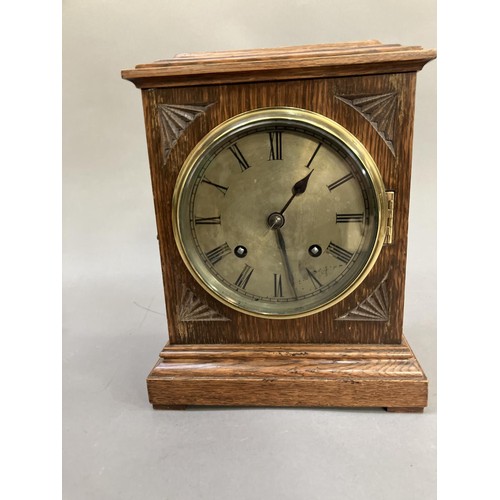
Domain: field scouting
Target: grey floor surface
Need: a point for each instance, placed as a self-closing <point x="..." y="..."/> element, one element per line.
<point x="117" y="447"/>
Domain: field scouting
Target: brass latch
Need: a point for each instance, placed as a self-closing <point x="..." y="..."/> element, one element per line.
<point x="390" y="217"/>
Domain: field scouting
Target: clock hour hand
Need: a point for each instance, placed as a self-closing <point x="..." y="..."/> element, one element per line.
<point x="276" y="220"/>
<point x="298" y="188"/>
<point x="284" y="256"/>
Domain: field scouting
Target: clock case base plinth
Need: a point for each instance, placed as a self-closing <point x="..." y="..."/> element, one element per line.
<point x="293" y="375"/>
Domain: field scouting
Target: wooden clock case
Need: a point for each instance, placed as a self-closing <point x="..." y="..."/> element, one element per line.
<point x="353" y="353"/>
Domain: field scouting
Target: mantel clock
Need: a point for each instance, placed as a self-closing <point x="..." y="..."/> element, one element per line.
<point x="281" y="183"/>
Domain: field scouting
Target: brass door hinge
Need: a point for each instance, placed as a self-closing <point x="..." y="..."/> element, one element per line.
<point x="390" y="218"/>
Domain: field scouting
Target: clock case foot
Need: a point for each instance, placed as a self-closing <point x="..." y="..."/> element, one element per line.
<point x="288" y="375"/>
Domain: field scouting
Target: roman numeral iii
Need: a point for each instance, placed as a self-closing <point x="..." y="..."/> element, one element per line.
<point x="343" y="218"/>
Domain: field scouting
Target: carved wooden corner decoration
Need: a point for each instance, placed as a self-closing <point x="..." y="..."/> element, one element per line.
<point x="376" y="307"/>
<point x="193" y="309"/>
<point x="174" y="120"/>
<point x="379" y="110"/>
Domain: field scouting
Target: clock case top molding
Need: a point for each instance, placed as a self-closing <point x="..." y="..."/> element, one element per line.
<point x="367" y="87"/>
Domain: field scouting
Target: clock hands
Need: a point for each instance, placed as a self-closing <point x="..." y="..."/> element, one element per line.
<point x="276" y="221"/>
<point x="298" y="188"/>
<point x="284" y="256"/>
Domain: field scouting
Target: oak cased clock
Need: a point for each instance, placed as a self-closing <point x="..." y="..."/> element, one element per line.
<point x="281" y="185"/>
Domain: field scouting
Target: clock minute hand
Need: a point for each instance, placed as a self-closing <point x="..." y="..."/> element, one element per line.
<point x="298" y="188"/>
<point x="276" y="221"/>
<point x="282" y="248"/>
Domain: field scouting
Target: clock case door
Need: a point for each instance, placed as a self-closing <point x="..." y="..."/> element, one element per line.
<point x="378" y="110"/>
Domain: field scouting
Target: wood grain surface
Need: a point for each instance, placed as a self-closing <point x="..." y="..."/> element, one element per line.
<point x="278" y="64"/>
<point x="320" y="95"/>
<point x="296" y="375"/>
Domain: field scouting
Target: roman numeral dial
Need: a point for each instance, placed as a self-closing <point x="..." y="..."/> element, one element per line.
<point x="276" y="214"/>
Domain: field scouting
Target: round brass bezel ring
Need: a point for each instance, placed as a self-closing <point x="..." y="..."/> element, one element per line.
<point x="261" y="116"/>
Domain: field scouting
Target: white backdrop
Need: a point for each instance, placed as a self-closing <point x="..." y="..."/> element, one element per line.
<point x="115" y="445"/>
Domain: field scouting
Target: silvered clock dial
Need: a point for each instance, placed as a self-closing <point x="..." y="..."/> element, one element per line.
<point x="279" y="212"/>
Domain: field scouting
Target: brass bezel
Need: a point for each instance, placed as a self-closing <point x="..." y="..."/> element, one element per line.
<point x="311" y="118"/>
